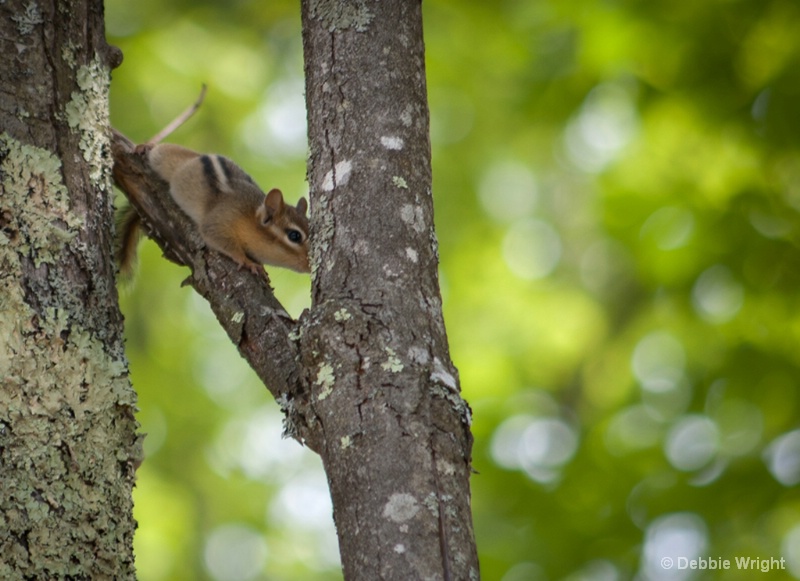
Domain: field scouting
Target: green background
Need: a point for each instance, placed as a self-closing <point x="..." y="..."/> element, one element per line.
<point x="617" y="186"/>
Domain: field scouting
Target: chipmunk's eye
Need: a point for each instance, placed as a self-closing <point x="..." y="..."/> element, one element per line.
<point x="294" y="236"/>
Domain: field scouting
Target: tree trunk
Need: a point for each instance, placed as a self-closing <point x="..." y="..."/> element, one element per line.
<point x="384" y="395"/>
<point x="365" y="378"/>
<point x="68" y="443"/>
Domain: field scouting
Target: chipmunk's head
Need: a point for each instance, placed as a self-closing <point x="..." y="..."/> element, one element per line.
<point x="286" y="229"/>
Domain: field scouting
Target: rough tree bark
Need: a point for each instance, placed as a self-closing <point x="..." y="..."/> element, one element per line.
<point x="365" y="377"/>
<point x="68" y="443"/>
<point x="395" y="432"/>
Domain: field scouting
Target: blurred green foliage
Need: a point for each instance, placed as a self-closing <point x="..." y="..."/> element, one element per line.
<point x="617" y="190"/>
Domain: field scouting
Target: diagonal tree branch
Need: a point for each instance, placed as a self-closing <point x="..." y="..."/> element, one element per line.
<point x="243" y="303"/>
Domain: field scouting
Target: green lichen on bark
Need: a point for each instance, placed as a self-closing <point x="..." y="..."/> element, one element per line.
<point x="87" y="113"/>
<point x="63" y="397"/>
<point x="325" y="379"/>
<point x="393" y="363"/>
<point x="34" y="202"/>
<point x="67" y="464"/>
<point x="67" y="425"/>
<point x="68" y="434"/>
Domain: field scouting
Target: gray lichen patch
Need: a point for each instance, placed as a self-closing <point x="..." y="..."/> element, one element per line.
<point x="338" y="176"/>
<point x="414" y="216"/>
<point x="459" y="405"/>
<point x="400" y="507"/>
<point x="445" y="386"/>
<point x="28" y="19"/>
<point x="34" y="202"/>
<point x="440" y="375"/>
<point x="431" y="502"/>
<point x="87" y="113"/>
<point x="342" y="14"/>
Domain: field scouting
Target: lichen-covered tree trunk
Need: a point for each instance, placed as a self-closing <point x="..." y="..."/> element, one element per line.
<point x="68" y="443"/>
<point x="393" y="431"/>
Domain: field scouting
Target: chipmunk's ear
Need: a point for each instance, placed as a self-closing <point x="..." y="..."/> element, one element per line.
<point x="273" y="203"/>
<point x="302" y="206"/>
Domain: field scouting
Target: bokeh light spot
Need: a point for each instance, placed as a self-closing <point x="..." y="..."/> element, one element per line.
<point x="605" y="124"/>
<point x="539" y="446"/>
<point x="532" y="249"/>
<point x="692" y="443"/>
<point x="783" y="458"/>
<point x="235" y="552"/>
<point x="658" y="362"/>
<point x="670" y="537"/>
<point x="508" y="191"/>
<point x="717" y="296"/>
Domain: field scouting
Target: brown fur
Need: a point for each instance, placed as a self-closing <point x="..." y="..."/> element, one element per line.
<point x="129" y="231"/>
<point x="232" y="213"/>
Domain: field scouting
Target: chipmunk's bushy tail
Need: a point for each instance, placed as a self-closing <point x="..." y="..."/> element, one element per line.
<point x="129" y="231"/>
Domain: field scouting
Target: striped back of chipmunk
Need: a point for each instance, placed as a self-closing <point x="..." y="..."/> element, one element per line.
<point x="221" y="173"/>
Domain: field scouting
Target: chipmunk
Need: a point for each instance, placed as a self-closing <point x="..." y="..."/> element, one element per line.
<point x="232" y="213"/>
